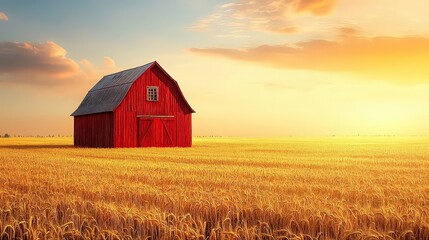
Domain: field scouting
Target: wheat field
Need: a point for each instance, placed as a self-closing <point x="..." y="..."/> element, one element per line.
<point x="221" y="188"/>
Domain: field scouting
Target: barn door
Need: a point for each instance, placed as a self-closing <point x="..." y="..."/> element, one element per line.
<point x="156" y="132"/>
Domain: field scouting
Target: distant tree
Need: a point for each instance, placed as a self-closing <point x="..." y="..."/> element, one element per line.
<point x="6" y="135"/>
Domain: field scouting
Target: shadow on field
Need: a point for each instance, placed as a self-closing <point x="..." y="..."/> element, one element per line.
<point x="35" y="146"/>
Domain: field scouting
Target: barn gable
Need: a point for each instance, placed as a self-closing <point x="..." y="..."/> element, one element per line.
<point x="109" y="92"/>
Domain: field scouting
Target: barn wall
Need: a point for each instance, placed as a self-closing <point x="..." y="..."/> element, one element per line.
<point x="170" y="103"/>
<point x="95" y="130"/>
<point x="184" y="129"/>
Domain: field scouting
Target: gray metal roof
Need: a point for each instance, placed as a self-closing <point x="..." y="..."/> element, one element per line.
<point x="109" y="92"/>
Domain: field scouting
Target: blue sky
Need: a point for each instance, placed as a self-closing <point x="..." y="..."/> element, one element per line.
<point x="93" y="29"/>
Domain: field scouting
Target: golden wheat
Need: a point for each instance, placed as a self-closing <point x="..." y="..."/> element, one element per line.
<point x="222" y="188"/>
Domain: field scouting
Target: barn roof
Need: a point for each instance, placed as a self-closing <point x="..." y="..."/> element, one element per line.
<point x="109" y="92"/>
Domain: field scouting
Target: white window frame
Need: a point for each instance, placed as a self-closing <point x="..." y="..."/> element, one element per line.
<point x="152" y="94"/>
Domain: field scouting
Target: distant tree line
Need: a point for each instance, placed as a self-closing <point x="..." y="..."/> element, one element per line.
<point x="7" y="135"/>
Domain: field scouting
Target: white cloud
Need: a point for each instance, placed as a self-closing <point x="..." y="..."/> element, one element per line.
<point x="46" y="64"/>
<point x="3" y="16"/>
<point x="263" y="15"/>
<point x="109" y="62"/>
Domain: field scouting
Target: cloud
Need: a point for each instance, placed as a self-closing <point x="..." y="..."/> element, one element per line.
<point x="284" y="30"/>
<point x="204" y="24"/>
<point x="263" y="15"/>
<point x="316" y="7"/>
<point x="109" y="62"/>
<point x="45" y="64"/>
<point x="3" y="16"/>
<point x="48" y="59"/>
<point x="348" y="31"/>
<point x="400" y="59"/>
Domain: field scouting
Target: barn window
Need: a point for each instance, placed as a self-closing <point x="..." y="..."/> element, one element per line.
<point x="152" y="93"/>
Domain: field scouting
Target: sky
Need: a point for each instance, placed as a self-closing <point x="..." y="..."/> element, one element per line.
<point x="260" y="68"/>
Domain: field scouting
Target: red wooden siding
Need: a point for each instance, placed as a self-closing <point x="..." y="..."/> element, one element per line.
<point x="184" y="124"/>
<point x="95" y="130"/>
<point x="128" y="128"/>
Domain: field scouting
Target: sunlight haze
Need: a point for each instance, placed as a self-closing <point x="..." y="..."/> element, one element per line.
<point x="248" y="68"/>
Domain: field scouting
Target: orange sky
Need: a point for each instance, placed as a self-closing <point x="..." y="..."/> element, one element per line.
<point x="248" y="68"/>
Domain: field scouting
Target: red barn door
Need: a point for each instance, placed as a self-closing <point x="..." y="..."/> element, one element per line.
<point x="157" y="132"/>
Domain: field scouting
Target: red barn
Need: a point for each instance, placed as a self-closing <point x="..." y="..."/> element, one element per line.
<point x="139" y="107"/>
